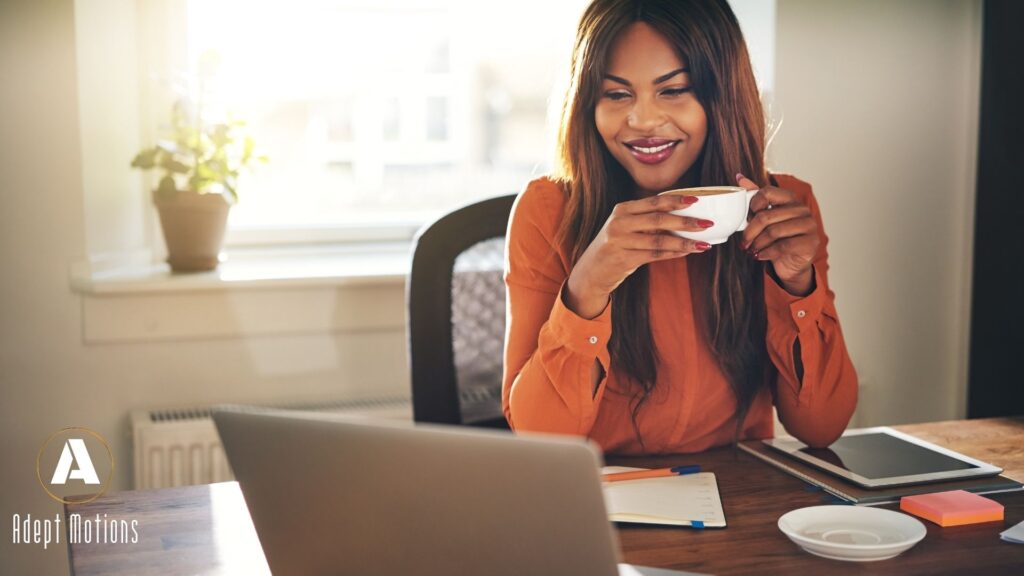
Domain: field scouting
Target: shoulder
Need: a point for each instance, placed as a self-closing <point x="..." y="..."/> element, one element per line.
<point x="538" y="208"/>
<point x="534" y="257"/>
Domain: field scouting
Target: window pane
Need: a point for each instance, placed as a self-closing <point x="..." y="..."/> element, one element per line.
<point x="385" y="111"/>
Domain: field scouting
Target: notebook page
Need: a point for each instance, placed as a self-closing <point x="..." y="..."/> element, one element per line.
<point x="665" y="500"/>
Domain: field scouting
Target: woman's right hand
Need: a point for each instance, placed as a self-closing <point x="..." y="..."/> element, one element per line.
<point x="636" y="233"/>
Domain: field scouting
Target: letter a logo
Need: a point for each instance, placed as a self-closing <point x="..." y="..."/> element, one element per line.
<point x="74" y="450"/>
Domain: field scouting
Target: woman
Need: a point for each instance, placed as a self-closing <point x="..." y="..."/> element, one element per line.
<point x="639" y="339"/>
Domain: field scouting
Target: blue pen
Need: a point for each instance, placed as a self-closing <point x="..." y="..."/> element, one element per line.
<point x="689" y="469"/>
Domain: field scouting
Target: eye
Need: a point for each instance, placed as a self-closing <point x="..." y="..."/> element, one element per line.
<point x="671" y="92"/>
<point x="616" y="95"/>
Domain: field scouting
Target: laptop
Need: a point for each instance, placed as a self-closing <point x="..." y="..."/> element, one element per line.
<point x="336" y="495"/>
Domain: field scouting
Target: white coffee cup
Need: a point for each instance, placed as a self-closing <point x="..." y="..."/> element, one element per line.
<point x="726" y="206"/>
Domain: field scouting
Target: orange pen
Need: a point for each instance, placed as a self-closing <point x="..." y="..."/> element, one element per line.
<point x="653" y="473"/>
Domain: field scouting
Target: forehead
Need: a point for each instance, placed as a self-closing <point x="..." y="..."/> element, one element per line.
<point x="641" y="53"/>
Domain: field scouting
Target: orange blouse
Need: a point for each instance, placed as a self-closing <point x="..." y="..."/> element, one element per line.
<point x="550" y="351"/>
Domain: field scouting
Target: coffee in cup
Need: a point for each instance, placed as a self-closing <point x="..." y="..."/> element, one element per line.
<point x="726" y="206"/>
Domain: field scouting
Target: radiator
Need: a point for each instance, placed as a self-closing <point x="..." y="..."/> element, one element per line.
<point x="179" y="447"/>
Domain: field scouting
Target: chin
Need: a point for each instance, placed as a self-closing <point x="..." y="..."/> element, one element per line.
<point x="655" y="183"/>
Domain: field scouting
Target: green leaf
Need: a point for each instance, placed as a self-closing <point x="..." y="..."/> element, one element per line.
<point x="145" y="159"/>
<point x="171" y="164"/>
<point x="205" y="172"/>
<point x="248" y="145"/>
<point x="207" y="156"/>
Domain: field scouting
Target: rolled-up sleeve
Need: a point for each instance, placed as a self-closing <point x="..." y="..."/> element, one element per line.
<point x="549" y="350"/>
<point x="816" y="391"/>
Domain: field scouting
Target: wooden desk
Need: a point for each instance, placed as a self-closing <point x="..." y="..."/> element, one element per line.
<point x="207" y="530"/>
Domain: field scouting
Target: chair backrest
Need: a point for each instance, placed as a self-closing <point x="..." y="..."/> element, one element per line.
<point x="456" y="315"/>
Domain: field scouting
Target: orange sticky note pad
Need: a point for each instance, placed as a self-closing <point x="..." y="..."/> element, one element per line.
<point x="953" y="508"/>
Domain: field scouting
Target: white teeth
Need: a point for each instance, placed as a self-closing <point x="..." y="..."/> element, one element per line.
<point x="655" y="149"/>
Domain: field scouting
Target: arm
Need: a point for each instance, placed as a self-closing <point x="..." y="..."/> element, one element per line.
<point x="559" y="321"/>
<point x="816" y="391"/>
<point x="555" y="360"/>
<point x="556" y="363"/>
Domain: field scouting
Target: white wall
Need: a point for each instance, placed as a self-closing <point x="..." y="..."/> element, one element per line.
<point x="879" y="102"/>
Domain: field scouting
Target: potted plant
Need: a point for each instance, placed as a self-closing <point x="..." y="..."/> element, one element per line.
<point x="201" y="162"/>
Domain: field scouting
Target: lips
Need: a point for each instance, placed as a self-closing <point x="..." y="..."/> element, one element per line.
<point x="651" y="150"/>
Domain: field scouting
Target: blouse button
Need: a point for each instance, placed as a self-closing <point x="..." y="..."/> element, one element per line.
<point x="800" y="313"/>
<point x="593" y="339"/>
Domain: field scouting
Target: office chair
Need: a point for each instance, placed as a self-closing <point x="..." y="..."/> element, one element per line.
<point x="456" y="315"/>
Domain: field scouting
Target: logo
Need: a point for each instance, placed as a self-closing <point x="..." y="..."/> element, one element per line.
<point x="74" y="478"/>
<point x="79" y="465"/>
<point x="85" y="471"/>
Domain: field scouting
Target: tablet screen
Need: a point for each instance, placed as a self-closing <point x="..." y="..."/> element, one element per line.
<point x="879" y="455"/>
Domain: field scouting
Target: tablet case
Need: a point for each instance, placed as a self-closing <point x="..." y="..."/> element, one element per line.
<point x="864" y="496"/>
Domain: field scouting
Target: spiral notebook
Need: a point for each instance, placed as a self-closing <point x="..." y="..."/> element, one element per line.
<point x="687" y="500"/>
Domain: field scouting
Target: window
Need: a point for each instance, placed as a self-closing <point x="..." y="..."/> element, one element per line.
<point x="379" y="115"/>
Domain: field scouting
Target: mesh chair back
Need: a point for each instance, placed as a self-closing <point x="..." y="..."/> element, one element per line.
<point x="478" y="329"/>
<point x="456" y="298"/>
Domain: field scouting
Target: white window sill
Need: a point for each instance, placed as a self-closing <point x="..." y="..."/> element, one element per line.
<point x="340" y="265"/>
<point x="353" y="288"/>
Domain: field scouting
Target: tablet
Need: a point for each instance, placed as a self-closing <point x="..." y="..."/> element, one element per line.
<point x="882" y="457"/>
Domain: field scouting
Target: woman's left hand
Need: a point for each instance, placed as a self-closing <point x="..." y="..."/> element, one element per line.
<point x="782" y="231"/>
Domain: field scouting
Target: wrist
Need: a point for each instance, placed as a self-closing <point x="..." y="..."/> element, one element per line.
<point x="801" y="284"/>
<point x="582" y="300"/>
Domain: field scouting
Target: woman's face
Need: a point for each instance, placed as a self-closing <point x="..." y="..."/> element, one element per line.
<point x="646" y="112"/>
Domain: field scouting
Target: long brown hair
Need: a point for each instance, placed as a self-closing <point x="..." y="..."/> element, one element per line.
<point x="729" y="285"/>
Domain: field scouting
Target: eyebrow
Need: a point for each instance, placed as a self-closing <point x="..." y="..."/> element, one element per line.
<point x="657" y="80"/>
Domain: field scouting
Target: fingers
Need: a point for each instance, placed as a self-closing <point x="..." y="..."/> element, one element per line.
<point x="657" y="203"/>
<point x="640" y="257"/>
<point x="746" y="182"/>
<point x="645" y="248"/>
<point x="663" y="222"/>
<point x="782" y="231"/>
<point x="773" y="197"/>
<point x="800" y="248"/>
<point x="660" y="242"/>
<point x="767" y="222"/>
<point x="767" y="196"/>
<point x="781" y="224"/>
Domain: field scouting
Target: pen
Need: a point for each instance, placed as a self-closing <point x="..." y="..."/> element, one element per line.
<point x="653" y="473"/>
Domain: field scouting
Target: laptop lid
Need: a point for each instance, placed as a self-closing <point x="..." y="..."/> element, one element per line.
<point x="332" y="495"/>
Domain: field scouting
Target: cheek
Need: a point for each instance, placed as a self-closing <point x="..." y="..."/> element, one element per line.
<point x="698" y="125"/>
<point x="606" y="123"/>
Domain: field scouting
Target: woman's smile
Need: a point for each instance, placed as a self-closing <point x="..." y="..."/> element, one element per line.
<point x="651" y="150"/>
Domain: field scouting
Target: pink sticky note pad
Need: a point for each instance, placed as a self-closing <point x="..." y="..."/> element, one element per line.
<point x="953" y="508"/>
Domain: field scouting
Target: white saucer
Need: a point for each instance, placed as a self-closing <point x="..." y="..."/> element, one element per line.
<point x="853" y="533"/>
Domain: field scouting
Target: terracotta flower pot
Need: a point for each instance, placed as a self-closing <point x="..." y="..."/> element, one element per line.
<point x="193" y="226"/>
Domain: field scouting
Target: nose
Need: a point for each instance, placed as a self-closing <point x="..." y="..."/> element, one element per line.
<point x="645" y="115"/>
